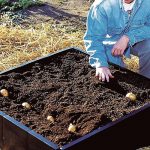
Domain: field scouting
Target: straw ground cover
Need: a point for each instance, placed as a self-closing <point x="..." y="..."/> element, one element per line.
<point x="26" y="41"/>
<point x="19" y="44"/>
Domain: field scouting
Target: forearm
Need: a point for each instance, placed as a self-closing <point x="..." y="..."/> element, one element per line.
<point x="97" y="53"/>
<point x="94" y="36"/>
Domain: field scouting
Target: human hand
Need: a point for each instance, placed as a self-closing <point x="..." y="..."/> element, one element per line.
<point x="120" y="46"/>
<point x="103" y="73"/>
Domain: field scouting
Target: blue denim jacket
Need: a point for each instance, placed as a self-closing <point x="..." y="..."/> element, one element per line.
<point x="107" y="22"/>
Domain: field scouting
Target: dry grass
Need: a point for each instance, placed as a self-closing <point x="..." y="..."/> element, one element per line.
<point x="133" y="63"/>
<point x="18" y="44"/>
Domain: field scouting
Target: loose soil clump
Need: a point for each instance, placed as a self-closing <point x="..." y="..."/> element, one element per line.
<point x="65" y="88"/>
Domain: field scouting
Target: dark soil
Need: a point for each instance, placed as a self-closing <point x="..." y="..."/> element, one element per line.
<point x="65" y="87"/>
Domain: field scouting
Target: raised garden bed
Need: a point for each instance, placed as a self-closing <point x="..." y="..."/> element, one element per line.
<point x="64" y="86"/>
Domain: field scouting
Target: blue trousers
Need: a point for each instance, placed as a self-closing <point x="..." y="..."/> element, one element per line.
<point x="142" y="50"/>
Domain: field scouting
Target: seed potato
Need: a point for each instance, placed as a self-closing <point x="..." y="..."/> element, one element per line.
<point x="4" y="92"/>
<point x="131" y="96"/>
<point x="26" y="105"/>
<point x="50" y="118"/>
<point x="72" y="128"/>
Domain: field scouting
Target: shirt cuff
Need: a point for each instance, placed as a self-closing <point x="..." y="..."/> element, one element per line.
<point x="96" y="63"/>
<point x="132" y="40"/>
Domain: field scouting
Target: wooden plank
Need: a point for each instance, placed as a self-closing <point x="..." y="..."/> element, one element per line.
<point x="38" y="142"/>
<point x="1" y="129"/>
<point x="14" y="135"/>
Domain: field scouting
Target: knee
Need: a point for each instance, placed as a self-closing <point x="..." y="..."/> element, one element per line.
<point x="146" y="45"/>
<point x="145" y="55"/>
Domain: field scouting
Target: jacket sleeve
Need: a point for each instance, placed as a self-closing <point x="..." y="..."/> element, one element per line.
<point x="94" y="36"/>
<point x="139" y="34"/>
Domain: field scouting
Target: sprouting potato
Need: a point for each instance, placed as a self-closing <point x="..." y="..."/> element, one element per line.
<point x="26" y="105"/>
<point x="4" y="92"/>
<point x="72" y="128"/>
<point x="50" y="118"/>
<point x="131" y="96"/>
